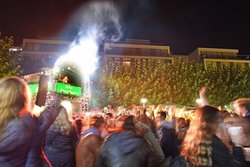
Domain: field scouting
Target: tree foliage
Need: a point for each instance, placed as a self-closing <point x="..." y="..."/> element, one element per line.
<point x="160" y="83"/>
<point x="9" y="60"/>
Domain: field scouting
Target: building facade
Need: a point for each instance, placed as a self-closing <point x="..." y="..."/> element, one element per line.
<point x="135" y="50"/>
<point x="40" y="53"/>
<point x="218" y="57"/>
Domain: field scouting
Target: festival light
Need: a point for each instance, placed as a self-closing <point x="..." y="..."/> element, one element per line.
<point x="67" y="105"/>
<point x="82" y="55"/>
<point x="144" y="101"/>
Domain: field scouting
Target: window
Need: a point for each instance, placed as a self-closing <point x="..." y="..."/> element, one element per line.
<point x="28" y="46"/>
<point x="36" y="47"/>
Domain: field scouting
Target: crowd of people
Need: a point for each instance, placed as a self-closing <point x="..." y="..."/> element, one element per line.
<point x="212" y="138"/>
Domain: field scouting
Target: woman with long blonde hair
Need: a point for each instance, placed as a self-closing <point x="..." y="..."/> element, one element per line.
<point x="15" y="100"/>
<point x="17" y="125"/>
<point x="20" y="132"/>
<point x="60" y="141"/>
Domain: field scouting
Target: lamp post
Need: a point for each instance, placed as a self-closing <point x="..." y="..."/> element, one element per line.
<point x="144" y="101"/>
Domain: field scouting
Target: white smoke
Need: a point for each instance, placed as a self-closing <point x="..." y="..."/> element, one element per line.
<point x="99" y="22"/>
<point x="102" y="18"/>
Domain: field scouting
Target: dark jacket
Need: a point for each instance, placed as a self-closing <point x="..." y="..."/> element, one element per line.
<point x="60" y="148"/>
<point x="221" y="156"/>
<point x="21" y="139"/>
<point x="169" y="142"/>
<point x="15" y="141"/>
<point x="36" y="157"/>
<point x="125" y="149"/>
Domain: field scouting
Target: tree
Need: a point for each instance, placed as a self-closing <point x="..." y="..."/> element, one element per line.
<point x="159" y="82"/>
<point x="9" y="60"/>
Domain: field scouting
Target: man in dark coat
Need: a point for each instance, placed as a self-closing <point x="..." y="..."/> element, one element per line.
<point x="126" y="149"/>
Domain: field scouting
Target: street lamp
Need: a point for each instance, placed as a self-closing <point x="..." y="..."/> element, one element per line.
<point x="144" y="101"/>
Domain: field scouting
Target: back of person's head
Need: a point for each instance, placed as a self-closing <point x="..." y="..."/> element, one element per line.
<point x="201" y="130"/>
<point x="162" y="115"/>
<point x="243" y="103"/>
<point x="181" y="122"/>
<point x="208" y="114"/>
<point x="144" y="119"/>
<point x="15" y="99"/>
<point x="109" y="115"/>
<point x="62" y="122"/>
<point x="96" y="121"/>
<point x="126" y="122"/>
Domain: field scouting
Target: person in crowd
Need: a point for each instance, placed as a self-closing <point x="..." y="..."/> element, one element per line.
<point x="126" y="148"/>
<point x="96" y="126"/>
<point x="147" y="121"/>
<point x="167" y="137"/>
<point x="87" y="150"/>
<point x="196" y="147"/>
<point x="60" y="141"/>
<point x="242" y="108"/>
<point x="224" y="152"/>
<point x="21" y="133"/>
<point x="109" y="119"/>
<point x="207" y="142"/>
<point x="90" y="142"/>
<point x="181" y="129"/>
<point x="79" y="124"/>
<point x="161" y="120"/>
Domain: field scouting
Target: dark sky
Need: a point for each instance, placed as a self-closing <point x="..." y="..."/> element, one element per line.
<point x="182" y="24"/>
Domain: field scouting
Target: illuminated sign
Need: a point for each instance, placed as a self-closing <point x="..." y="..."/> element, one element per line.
<point x="34" y="88"/>
<point x="59" y="88"/>
<point x="68" y="89"/>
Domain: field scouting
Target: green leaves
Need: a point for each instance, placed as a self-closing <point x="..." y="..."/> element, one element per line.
<point x="160" y="82"/>
<point x="9" y="60"/>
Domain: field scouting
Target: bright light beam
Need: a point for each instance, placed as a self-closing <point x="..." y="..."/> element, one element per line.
<point x="83" y="55"/>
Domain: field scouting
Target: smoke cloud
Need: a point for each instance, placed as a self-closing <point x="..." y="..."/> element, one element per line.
<point x="100" y="20"/>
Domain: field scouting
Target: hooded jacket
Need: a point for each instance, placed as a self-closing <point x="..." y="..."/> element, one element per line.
<point x="125" y="149"/>
<point x="15" y="141"/>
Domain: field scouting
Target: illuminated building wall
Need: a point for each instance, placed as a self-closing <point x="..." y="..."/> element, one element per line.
<point x="135" y="50"/>
<point x="40" y="53"/>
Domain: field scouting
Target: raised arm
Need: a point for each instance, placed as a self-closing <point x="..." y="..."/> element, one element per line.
<point x="203" y="98"/>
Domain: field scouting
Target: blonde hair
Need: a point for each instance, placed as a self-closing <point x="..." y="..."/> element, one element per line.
<point x="62" y="122"/>
<point x="201" y="130"/>
<point x="15" y="99"/>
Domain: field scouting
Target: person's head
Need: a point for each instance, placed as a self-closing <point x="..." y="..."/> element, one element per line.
<point x="242" y="106"/>
<point x="126" y="122"/>
<point x="201" y="129"/>
<point x="62" y="122"/>
<point x="162" y="115"/>
<point x="97" y="122"/>
<point x="181" y="122"/>
<point x="144" y="119"/>
<point x="108" y="116"/>
<point x="15" y="99"/>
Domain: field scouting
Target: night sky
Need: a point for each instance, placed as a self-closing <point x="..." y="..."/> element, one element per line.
<point x="182" y="24"/>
